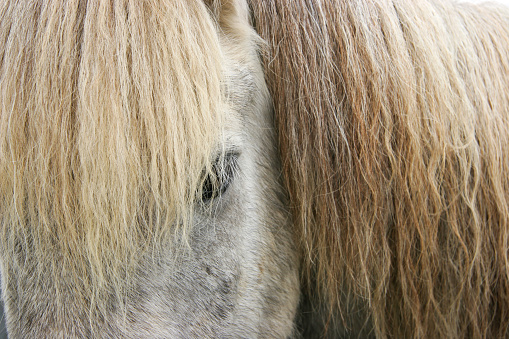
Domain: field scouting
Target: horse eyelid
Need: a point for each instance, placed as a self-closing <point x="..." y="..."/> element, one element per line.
<point x="224" y="171"/>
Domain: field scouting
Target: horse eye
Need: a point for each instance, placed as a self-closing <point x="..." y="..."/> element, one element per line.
<point x="223" y="173"/>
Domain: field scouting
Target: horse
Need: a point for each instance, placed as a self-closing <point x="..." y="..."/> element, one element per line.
<point x="252" y="168"/>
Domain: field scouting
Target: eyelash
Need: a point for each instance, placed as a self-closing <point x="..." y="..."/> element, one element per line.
<point x="223" y="172"/>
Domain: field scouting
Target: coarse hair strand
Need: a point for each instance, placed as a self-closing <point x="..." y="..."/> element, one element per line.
<point x="392" y="118"/>
<point x="109" y="113"/>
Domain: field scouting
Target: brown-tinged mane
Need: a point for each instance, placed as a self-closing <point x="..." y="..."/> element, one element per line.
<point x="393" y="124"/>
<point x="109" y="112"/>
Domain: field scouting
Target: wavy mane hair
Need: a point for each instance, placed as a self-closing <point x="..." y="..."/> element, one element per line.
<point x="393" y="122"/>
<point x="96" y="106"/>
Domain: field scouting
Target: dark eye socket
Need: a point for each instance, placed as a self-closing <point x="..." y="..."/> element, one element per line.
<point x="223" y="173"/>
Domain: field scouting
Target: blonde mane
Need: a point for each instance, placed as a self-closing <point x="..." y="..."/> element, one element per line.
<point x="393" y="124"/>
<point x="109" y="113"/>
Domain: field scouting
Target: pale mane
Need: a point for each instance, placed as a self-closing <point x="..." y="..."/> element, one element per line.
<point x="393" y="129"/>
<point x="109" y="112"/>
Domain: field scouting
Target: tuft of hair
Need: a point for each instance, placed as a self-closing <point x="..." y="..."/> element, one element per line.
<point x="109" y="112"/>
<point x="393" y="120"/>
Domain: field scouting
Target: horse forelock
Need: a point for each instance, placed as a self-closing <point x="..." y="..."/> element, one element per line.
<point x="393" y="130"/>
<point x="110" y="112"/>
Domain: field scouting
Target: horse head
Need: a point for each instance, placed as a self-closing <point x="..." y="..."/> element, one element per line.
<point x="252" y="168"/>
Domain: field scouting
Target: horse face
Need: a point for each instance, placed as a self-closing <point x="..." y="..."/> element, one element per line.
<point x="239" y="276"/>
<point x="233" y="273"/>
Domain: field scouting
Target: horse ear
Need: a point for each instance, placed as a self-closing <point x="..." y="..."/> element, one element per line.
<point x="228" y="13"/>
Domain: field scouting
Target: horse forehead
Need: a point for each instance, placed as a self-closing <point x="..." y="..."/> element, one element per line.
<point x="240" y="88"/>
